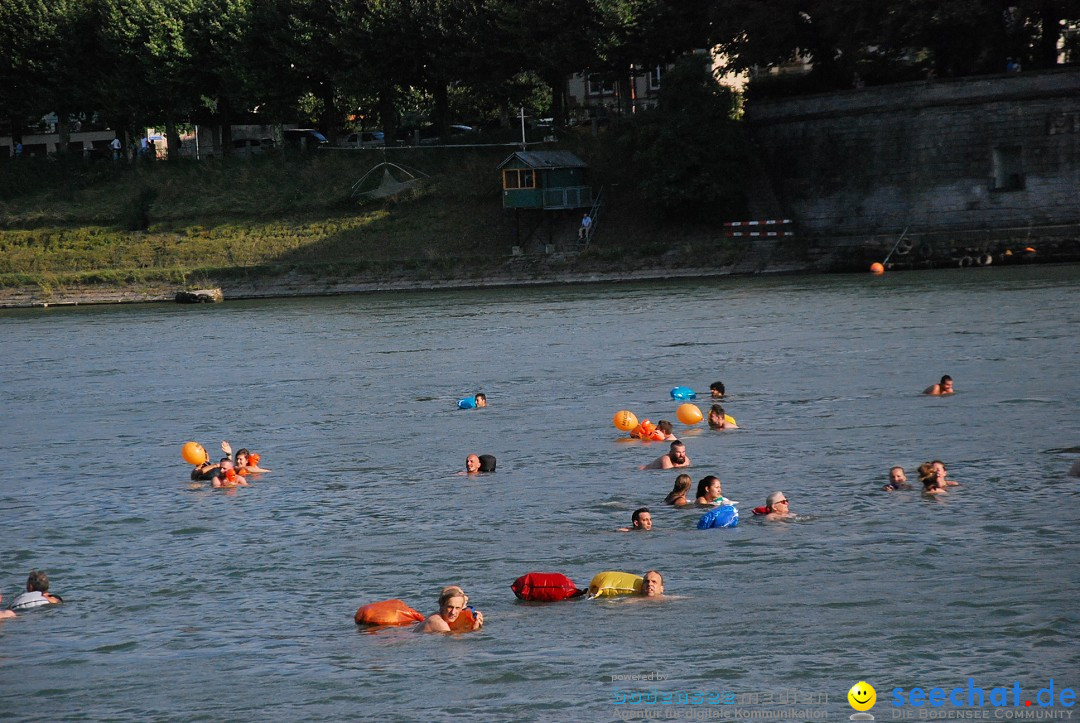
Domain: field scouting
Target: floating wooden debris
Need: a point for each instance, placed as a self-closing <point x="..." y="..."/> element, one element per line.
<point x="199" y="296"/>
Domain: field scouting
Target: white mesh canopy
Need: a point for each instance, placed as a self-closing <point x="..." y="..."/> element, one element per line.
<point x="394" y="180"/>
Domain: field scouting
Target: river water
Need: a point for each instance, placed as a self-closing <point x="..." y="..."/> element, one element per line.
<point x="199" y="604"/>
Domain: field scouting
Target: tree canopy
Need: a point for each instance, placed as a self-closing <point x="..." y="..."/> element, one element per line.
<point x="322" y="61"/>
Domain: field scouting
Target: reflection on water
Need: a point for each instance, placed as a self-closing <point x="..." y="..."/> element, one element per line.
<point x="189" y="602"/>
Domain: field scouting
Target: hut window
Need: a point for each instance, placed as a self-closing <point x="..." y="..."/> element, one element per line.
<point x="599" y="86"/>
<point x="654" y="77"/>
<point x="519" y="178"/>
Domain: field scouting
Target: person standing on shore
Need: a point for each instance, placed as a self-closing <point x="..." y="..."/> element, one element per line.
<point x="586" y="226"/>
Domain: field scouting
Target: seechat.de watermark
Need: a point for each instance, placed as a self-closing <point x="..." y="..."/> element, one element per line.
<point x="965" y="702"/>
<point x="1002" y="702"/>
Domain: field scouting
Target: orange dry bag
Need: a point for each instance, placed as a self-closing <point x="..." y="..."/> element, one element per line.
<point x="387" y="612"/>
<point x="464" y="622"/>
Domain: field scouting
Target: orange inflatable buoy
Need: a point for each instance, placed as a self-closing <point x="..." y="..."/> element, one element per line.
<point x="688" y="413"/>
<point x="193" y="453"/>
<point x="647" y="432"/>
<point x="877" y="269"/>
<point x="625" y="420"/>
<point x="387" y="612"/>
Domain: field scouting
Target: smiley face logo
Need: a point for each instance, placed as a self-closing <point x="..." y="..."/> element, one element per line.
<point x="862" y="696"/>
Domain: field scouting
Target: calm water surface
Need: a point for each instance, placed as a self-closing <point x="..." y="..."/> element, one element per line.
<point x="196" y="604"/>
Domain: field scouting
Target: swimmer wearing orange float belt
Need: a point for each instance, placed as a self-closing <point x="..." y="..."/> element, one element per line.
<point x="454" y="615"/>
<point x="227" y="476"/>
<point x="245" y="462"/>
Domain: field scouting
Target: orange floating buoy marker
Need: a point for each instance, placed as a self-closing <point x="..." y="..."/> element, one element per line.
<point x="877" y="269"/>
<point x="625" y="420"/>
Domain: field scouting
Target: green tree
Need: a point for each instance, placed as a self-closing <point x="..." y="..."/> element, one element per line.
<point x="687" y="155"/>
<point x="147" y="62"/>
<point x="45" y="54"/>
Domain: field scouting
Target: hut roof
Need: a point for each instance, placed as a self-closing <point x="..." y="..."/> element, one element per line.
<point x="547" y="159"/>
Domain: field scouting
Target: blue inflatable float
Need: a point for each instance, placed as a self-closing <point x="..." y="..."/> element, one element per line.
<point x="681" y="394"/>
<point x="722" y="516"/>
<point x="467" y="403"/>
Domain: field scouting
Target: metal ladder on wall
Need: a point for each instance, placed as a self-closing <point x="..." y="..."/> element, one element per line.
<point x="594" y="214"/>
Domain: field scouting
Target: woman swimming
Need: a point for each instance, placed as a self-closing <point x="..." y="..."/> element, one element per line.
<point x="709" y="492"/>
<point x="677" y="496"/>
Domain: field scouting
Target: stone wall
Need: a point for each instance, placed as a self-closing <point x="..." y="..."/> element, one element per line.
<point x="995" y="152"/>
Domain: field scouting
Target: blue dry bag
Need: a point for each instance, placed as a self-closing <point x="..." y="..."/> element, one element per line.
<point x="722" y="516"/>
<point x="683" y="393"/>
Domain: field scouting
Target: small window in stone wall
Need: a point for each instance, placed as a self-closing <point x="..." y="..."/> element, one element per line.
<point x="1008" y="169"/>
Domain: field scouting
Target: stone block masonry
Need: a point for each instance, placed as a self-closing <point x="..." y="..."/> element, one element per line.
<point x="991" y="152"/>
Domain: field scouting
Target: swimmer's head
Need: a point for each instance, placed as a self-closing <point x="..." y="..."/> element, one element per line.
<point x="451" y="602"/>
<point x="716" y="389"/>
<point x="897" y="476"/>
<point x="642" y="519"/>
<point x="946" y="384"/>
<point x="677" y="454"/>
<point x="38" y="581"/>
<point x="710" y="488"/>
<point x="472" y="463"/>
<point x="777" y="502"/>
<point x="652" y="584"/>
<point x="481" y="400"/>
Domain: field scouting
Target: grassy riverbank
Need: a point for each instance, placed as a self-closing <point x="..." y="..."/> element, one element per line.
<point x="242" y="220"/>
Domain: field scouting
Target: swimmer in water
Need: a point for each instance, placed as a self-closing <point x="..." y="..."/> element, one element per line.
<point x="710" y="492"/>
<point x="6" y="613"/>
<point x="481" y="400"/>
<point x="716" y="390"/>
<point x="677" y="496"/>
<point x="223" y="478"/>
<point x="939" y="469"/>
<point x="897" y="480"/>
<point x="37" y="593"/>
<point x="666" y="427"/>
<point x="942" y="388"/>
<point x="718" y="420"/>
<point x="247" y="463"/>
<point x="676" y="457"/>
<point x="776" y="507"/>
<point x="452" y="601"/>
<point x="640" y="521"/>
<point x="652" y="584"/>
<point x="931" y="485"/>
<point x="472" y="464"/>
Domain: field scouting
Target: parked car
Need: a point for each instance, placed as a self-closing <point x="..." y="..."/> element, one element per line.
<point x="251" y="146"/>
<point x="305" y="138"/>
<point x="456" y="133"/>
<point x="362" y="139"/>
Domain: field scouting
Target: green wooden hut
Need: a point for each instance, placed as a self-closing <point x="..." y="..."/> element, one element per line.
<point x="545" y="180"/>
